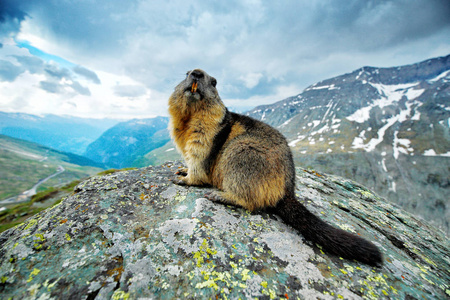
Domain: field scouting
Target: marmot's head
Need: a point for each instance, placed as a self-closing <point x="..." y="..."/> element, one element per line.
<point x="197" y="89"/>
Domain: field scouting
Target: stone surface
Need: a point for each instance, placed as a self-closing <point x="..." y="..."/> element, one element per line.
<point x="135" y="234"/>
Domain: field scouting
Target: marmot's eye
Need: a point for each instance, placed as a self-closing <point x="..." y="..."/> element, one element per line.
<point x="187" y="73"/>
<point x="214" y="82"/>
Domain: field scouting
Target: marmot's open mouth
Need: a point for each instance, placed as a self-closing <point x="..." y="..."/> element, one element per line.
<point x="194" y="87"/>
<point x="193" y="92"/>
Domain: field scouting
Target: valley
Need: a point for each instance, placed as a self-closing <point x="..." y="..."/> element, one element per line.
<point x="24" y="164"/>
<point x="127" y="143"/>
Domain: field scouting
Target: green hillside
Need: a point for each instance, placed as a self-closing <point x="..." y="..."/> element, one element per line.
<point x="123" y="144"/>
<point x="23" y="164"/>
<point x="158" y="156"/>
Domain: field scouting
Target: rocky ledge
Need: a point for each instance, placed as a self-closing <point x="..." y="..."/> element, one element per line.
<point x="134" y="234"/>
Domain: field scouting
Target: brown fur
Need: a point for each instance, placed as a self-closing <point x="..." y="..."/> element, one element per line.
<point x="248" y="178"/>
<point x="248" y="161"/>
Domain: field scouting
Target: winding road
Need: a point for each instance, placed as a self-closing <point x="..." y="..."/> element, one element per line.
<point x="26" y="196"/>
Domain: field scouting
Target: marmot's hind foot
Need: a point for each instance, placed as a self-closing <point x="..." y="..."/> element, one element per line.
<point x="215" y="197"/>
<point x="178" y="180"/>
<point x="226" y="198"/>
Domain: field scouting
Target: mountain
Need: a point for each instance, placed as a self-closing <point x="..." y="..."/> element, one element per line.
<point x="126" y="143"/>
<point x="63" y="133"/>
<point x="387" y="128"/>
<point x="23" y="164"/>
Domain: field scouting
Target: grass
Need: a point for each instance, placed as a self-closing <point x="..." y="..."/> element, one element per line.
<point x="19" y="174"/>
<point x="111" y="171"/>
<point x="16" y="214"/>
<point x="158" y="156"/>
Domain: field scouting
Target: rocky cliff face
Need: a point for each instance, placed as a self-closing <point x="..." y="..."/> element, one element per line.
<point x="388" y="128"/>
<point x="134" y="234"/>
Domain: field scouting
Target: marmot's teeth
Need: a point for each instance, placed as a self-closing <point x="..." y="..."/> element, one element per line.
<point x="194" y="87"/>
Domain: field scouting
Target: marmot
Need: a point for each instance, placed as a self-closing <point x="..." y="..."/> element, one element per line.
<point x="249" y="162"/>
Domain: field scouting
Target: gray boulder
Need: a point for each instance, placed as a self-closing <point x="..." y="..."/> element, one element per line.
<point x="134" y="234"/>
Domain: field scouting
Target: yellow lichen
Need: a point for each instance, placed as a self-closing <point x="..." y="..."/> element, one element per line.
<point x="208" y="283"/>
<point x="40" y="237"/>
<point x="245" y="275"/>
<point x="269" y="292"/>
<point x="366" y="194"/>
<point x="50" y="286"/>
<point x="30" y="224"/>
<point x="33" y="273"/>
<point x="349" y="268"/>
<point x="393" y="289"/>
<point x="119" y="294"/>
<point x="430" y="261"/>
<point x="179" y="197"/>
<point x="346" y="227"/>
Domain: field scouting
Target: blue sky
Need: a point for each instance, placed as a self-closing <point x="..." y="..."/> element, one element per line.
<point x="121" y="59"/>
<point x="44" y="56"/>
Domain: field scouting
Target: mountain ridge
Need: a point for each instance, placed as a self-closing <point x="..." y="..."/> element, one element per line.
<point x="387" y="128"/>
<point x="63" y="133"/>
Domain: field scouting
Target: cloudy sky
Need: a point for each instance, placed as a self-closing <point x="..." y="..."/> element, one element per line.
<point x="121" y="59"/>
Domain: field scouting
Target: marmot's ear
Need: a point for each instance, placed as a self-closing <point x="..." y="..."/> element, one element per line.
<point x="213" y="82"/>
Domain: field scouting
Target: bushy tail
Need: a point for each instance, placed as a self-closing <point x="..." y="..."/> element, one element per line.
<point x="332" y="240"/>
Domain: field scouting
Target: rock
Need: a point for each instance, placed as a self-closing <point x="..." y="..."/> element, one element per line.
<point x="135" y="234"/>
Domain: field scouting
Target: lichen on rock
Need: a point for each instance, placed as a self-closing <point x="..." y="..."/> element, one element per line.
<point x="135" y="234"/>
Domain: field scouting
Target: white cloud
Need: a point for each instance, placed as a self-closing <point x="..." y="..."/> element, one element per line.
<point x="281" y="93"/>
<point x="62" y="95"/>
<point x="251" y="80"/>
<point x="258" y="50"/>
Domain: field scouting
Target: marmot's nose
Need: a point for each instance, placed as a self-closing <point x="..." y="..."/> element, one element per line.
<point x="197" y="74"/>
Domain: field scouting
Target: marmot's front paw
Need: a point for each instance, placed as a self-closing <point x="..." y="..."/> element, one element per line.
<point x="182" y="172"/>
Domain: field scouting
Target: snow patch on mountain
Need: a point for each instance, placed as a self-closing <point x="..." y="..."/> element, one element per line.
<point x="285" y="123"/>
<point x="322" y="87"/>
<point x="389" y="94"/>
<point x="294" y="142"/>
<point x="361" y="115"/>
<point x="431" y="152"/>
<point x="358" y="142"/>
<point x="440" y="76"/>
<point x="401" y="146"/>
